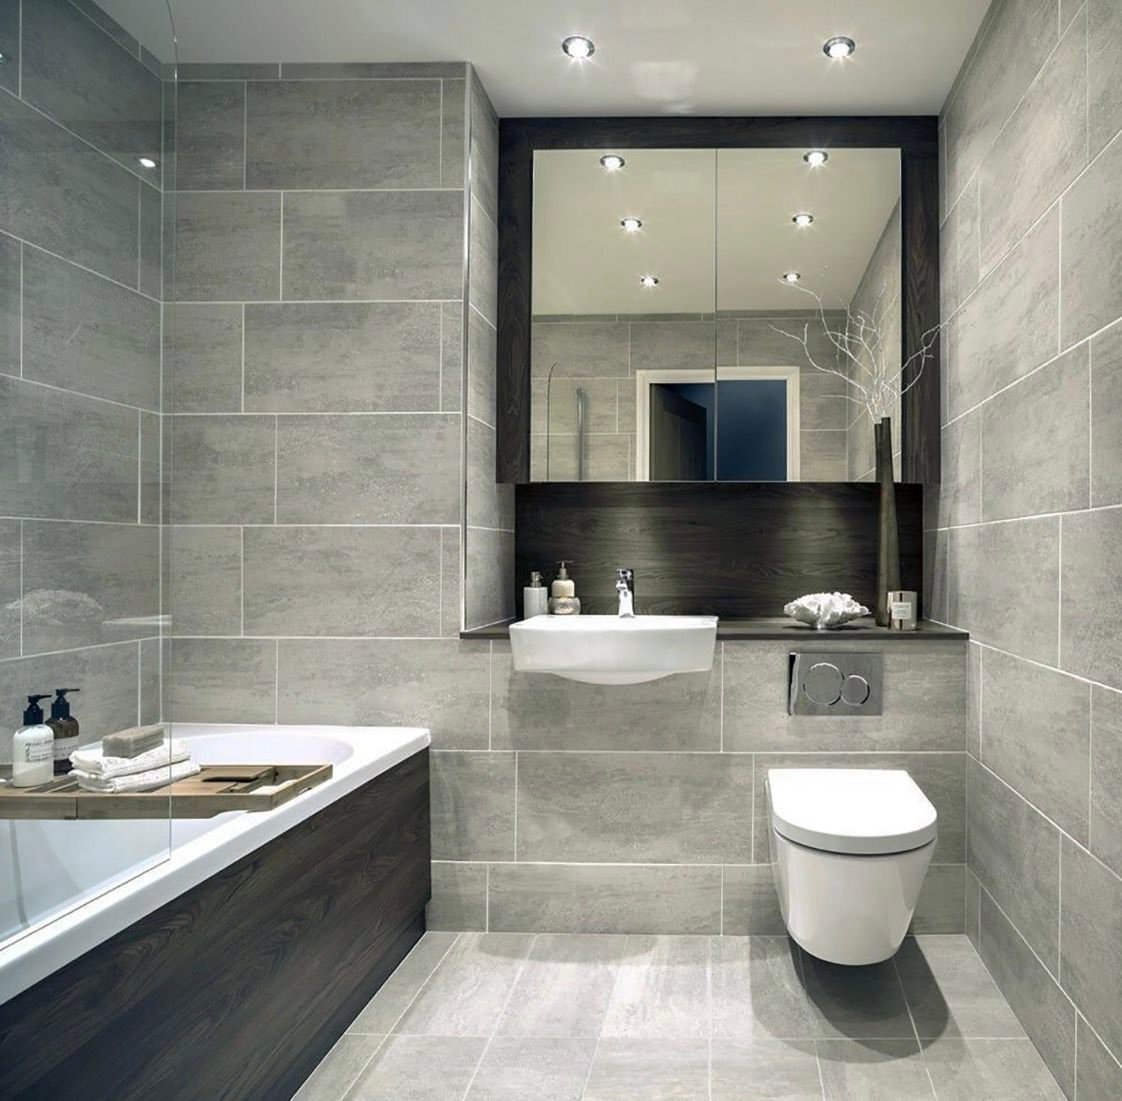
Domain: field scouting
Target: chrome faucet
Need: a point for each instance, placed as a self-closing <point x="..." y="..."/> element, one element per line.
<point x="625" y="586"/>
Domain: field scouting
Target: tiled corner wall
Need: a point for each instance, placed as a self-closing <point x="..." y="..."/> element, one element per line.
<point x="1026" y="539"/>
<point x="560" y="806"/>
<point x="80" y="290"/>
<point x="315" y="388"/>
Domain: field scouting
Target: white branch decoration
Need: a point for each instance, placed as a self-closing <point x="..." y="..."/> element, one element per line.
<point x="872" y="380"/>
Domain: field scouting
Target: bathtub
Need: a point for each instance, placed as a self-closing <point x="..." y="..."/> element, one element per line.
<point x="64" y="866"/>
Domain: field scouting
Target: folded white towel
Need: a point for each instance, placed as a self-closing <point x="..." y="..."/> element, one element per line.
<point x="92" y="759"/>
<point x="139" y="781"/>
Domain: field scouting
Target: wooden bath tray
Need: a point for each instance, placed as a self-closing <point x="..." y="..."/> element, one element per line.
<point x="214" y="790"/>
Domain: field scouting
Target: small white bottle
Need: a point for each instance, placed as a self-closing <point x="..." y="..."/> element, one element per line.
<point x="535" y="597"/>
<point x="563" y="599"/>
<point x="33" y="748"/>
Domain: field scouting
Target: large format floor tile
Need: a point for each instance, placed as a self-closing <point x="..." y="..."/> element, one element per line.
<point x="596" y="1017"/>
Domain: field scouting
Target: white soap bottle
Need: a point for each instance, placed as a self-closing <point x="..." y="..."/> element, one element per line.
<point x="535" y="597"/>
<point x="33" y="748"/>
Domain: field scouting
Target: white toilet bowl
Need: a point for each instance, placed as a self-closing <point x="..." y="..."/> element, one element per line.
<point x="849" y="850"/>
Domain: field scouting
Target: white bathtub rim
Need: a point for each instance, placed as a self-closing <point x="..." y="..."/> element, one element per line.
<point x="61" y="941"/>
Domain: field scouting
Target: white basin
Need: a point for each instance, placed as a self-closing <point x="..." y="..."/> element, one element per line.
<point x="605" y="649"/>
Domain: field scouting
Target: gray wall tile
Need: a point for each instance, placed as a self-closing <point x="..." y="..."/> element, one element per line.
<point x="151" y="468"/>
<point x="196" y="70"/>
<point x="483" y="263"/>
<point x="78" y="75"/>
<point x="58" y="192"/>
<point x="80" y="580"/>
<point x="974" y="700"/>
<point x="924" y="702"/>
<point x="9" y="588"/>
<point x="1036" y="736"/>
<point x="202" y="358"/>
<point x="489" y="587"/>
<point x="973" y="909"/>
<point x="151" y="259"/>
<point x="84" y="333"/>
<point x="9" y="44"/>
<point x="451" y="583"/>
<point x="606" y="898"/>
<point x="345" y="357"/>
<point x="1092" y="603"/>
<point x="459" y="897"/>
<point x="580" y="350"/>
<point x="107" y="676"/>
<point x="960" y="494"/>
<point x="484" y="148"/>
<point x="388" y="244"/>
<point x="151" y="681"/>
<point x="489" y="505"/>
<point x="676" y="345"/>
<point x="959" y="251"/>
<point x="227" y="246"/>
<point x="381" y="134"/>
<point x="452" y="356"/>
<point x="1091" y="275"/>
<point x="438" y="684"/>
<point x="822" y="456"/>
<point x="1015" y="853"/>
<point x="222" y="469"/>
<point x="1106" y="417"/>
<point x="1039" y="150"/>
<point x="1034" y="460"/>
<point x="10" y="306"/>
<point x="203" y="580"/>
<point x="751" y="906"/>
<point x="372" y="70"/>
<point x="213" y="680"/>
<point x="452" y="134"/>
<point x="534" y="712"/>
<point x="77" y="459"/>
<point x="942" y="900"/>
<point x="1010" y="324"/>
<point x="1091" y="941"/>
<point x="992" y="568"/>
<point x="1106" y="777"/>
<point x="939" y="775"/>
<point x="668" y="808"/>
<point x="210" y="135"/>
<point x="1104" y="72"/>
<point x="342" y="581"/>
<point x="368" y="469"/>
<point x="472" y="798"/>
<point x="1098" y="1072"/>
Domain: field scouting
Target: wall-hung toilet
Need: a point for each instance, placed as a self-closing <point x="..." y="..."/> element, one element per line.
<point x="850" y="849"/>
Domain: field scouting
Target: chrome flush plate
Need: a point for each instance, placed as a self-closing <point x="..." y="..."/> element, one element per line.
<point x="836" y="683"/>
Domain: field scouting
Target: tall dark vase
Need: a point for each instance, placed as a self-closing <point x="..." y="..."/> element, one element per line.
<point x="888" y="531"/>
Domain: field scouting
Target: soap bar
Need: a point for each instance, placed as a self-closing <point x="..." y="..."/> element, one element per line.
<point x="133" y="742"/>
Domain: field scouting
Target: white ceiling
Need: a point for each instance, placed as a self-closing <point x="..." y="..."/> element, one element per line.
<point x="652" y="56"/>
<point x="717" y="228"/>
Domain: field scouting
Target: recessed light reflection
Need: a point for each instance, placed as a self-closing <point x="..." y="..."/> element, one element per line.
<point x="612" y="162"/>
<point x="803" y="219"/>
<point x="816" y="157"/>
<point x="791" y="276"/>
<point x="578" y="47"/>
<point x="649" y="280"/>
<point x="147" y="162"/>
<point x="839" y="47"/>
<point x="631" y="224"/>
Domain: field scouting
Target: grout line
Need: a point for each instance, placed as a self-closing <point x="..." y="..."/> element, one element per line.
<point x="280" y="277"/>
<point x="1060" y="592"/>
<point x="139" y="464"/>
<point x="242" y="566"/>
<point x="297" y="190"/>
<point x="600" y="1032"/>
<point x="915" y="1031"/>
<point x="440" y="132"/>
<point x="242" y="409"/>
<point x="276" y="467"/>
<point x="1059" y="907"/>
<point x="721" y="915"/>
<point x="487" y="898"/>
<point x="515" y="858"/>
<point x="21" y="597"/>
<point x="19" y="50"/>
<point x="139" y="230"/>
<point x="490" y="694"/>
<point x="21" y="303"/>
<point x="276" y="681"/>
<point x="709" y="1012"/>
<point x="245" y="135"/>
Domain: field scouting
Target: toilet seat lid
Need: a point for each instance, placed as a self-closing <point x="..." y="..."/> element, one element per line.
<point x="850" y="810"/>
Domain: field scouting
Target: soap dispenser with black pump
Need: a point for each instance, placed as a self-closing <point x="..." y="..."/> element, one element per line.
<point x="32" y="747"/>
<point x="65" y="729"/>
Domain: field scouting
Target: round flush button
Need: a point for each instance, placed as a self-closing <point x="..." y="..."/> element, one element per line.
<point x="855" y="690"/>
<point x="823" y="683"/>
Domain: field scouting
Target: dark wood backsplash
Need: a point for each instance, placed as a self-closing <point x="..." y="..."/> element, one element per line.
<point x="734" y="549"/>
<point x="236" y="989"/>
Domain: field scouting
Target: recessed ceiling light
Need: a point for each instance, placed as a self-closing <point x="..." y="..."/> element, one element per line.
<point x="791" y="277"/>
<point x="3" y="58"/>
<point x="612" y="162"/>
<point x="578" y="47"/>
<point x="147" y="162"/>
<point x="649" y="280"/>
<point x="839" y="46"/>
<point x="631" y="224"/>
<point x="816" y="157"/>
<point x="803" y="219"/>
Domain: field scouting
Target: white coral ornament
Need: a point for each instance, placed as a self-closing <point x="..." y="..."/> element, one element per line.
<point x="825" y="610"/>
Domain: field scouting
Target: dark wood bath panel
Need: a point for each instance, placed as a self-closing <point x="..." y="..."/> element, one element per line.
<point x="236" y="989"/>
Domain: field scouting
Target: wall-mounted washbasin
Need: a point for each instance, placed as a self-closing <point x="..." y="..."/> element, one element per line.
<point x="608" y="649"/>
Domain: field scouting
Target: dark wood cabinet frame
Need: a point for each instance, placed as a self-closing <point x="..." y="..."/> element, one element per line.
<point x="915" y="136"/>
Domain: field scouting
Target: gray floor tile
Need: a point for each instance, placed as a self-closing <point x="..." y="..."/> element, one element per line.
<point x="515" y="1069"/>
<point x="419" y="1068"/>
<point x="399" y="990"/>
<point x="757" y="989"/>
<point x="950" y="992"/>
<point x="646" y="1070"/>
<point x="467" y="992"/>
<point x="1099" y="1073"/>
<point x="661" y="990"/>
<point x="764" y="1070"/>
<point x="339" y="1068"/>
<point x="565" y="986"/>
<point x="861" y="1003"/>
<point x="882" y="1070"/>
<point x="997" y="1070"/>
